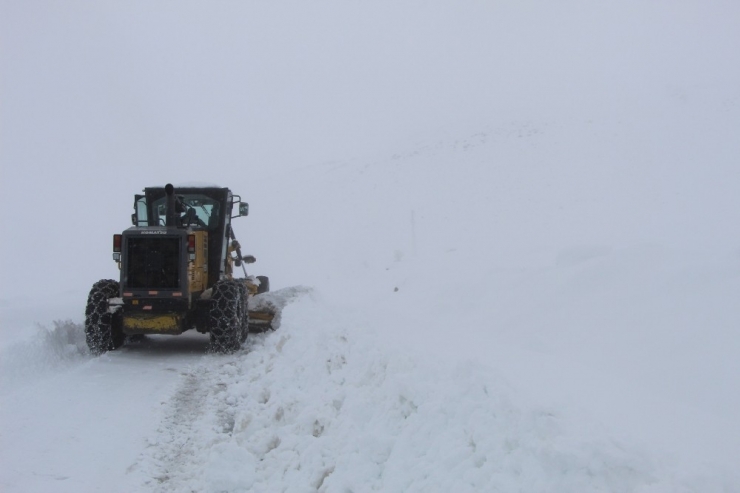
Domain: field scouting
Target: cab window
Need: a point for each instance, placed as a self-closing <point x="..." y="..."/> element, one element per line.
<point x="194" y="210"/>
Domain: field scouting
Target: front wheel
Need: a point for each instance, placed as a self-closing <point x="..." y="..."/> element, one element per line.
<point x="103" y="328"/>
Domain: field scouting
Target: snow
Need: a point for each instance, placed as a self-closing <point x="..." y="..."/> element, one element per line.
<point x="501" y="239"/>
<point x="322" y="404"/>
<point x="81" y="426"/>
<point x="194" y="184"/>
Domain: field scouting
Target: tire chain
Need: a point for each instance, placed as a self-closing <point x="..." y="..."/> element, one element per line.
<point x="244" y="317"/>
<point x="228" y="316"/>
<point x="99" y="330"/>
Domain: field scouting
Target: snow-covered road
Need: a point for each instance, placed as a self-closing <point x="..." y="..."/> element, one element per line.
<point x="82" y="426"/>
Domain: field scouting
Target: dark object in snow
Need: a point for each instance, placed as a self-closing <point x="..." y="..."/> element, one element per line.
<point x="177" y="273"/>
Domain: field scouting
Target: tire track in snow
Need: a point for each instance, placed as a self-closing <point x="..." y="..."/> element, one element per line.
<point x="196" y="417"/>
<point x="176" y="446"/>
<point x="199" y="414"/>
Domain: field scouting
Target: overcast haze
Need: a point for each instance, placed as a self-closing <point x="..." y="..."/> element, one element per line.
<point x="100" y="99"/>
<point x="544" y="194"/>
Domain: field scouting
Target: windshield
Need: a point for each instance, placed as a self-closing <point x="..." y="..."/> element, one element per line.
<point x="195" y="210"/>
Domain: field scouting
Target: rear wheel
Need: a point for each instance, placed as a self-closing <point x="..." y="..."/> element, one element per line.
<point x="227" y="316"/>
<point x="103" y="329"/>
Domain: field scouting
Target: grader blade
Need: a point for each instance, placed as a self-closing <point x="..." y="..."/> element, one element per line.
<point x="261" y="321"/>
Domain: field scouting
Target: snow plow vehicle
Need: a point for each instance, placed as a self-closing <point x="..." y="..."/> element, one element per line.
<point x="176" y="273"/>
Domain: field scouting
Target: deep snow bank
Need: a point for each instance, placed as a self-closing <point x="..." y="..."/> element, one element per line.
<point x="642" y="338"/>
<point x="322" y="405"/>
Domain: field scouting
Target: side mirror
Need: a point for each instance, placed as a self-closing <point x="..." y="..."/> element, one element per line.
<point x="133" y="219"/>
<point x="243" y="209"/>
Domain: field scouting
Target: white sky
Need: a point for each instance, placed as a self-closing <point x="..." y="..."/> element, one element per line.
<point x="99" y="99"/>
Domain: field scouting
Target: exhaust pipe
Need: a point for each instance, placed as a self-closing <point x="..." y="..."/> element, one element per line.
<point x="171" y="214"/>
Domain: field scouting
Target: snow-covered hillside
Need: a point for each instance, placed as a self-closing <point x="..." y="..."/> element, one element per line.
<point x="508" y="231"/>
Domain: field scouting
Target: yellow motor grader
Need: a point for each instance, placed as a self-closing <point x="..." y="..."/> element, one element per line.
<point x="176" y="264"/>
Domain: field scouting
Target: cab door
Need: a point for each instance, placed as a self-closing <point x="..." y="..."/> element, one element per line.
<point x="140" y="216"/>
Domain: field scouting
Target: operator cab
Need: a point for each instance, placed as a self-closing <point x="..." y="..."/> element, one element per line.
<point x="195" y="208"/>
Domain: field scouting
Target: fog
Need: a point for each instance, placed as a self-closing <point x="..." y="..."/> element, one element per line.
<point x="633" y="110"/>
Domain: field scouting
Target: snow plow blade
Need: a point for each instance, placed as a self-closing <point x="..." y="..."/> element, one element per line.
<point x="266" y="309"/>
<point x="261" y="321"/>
